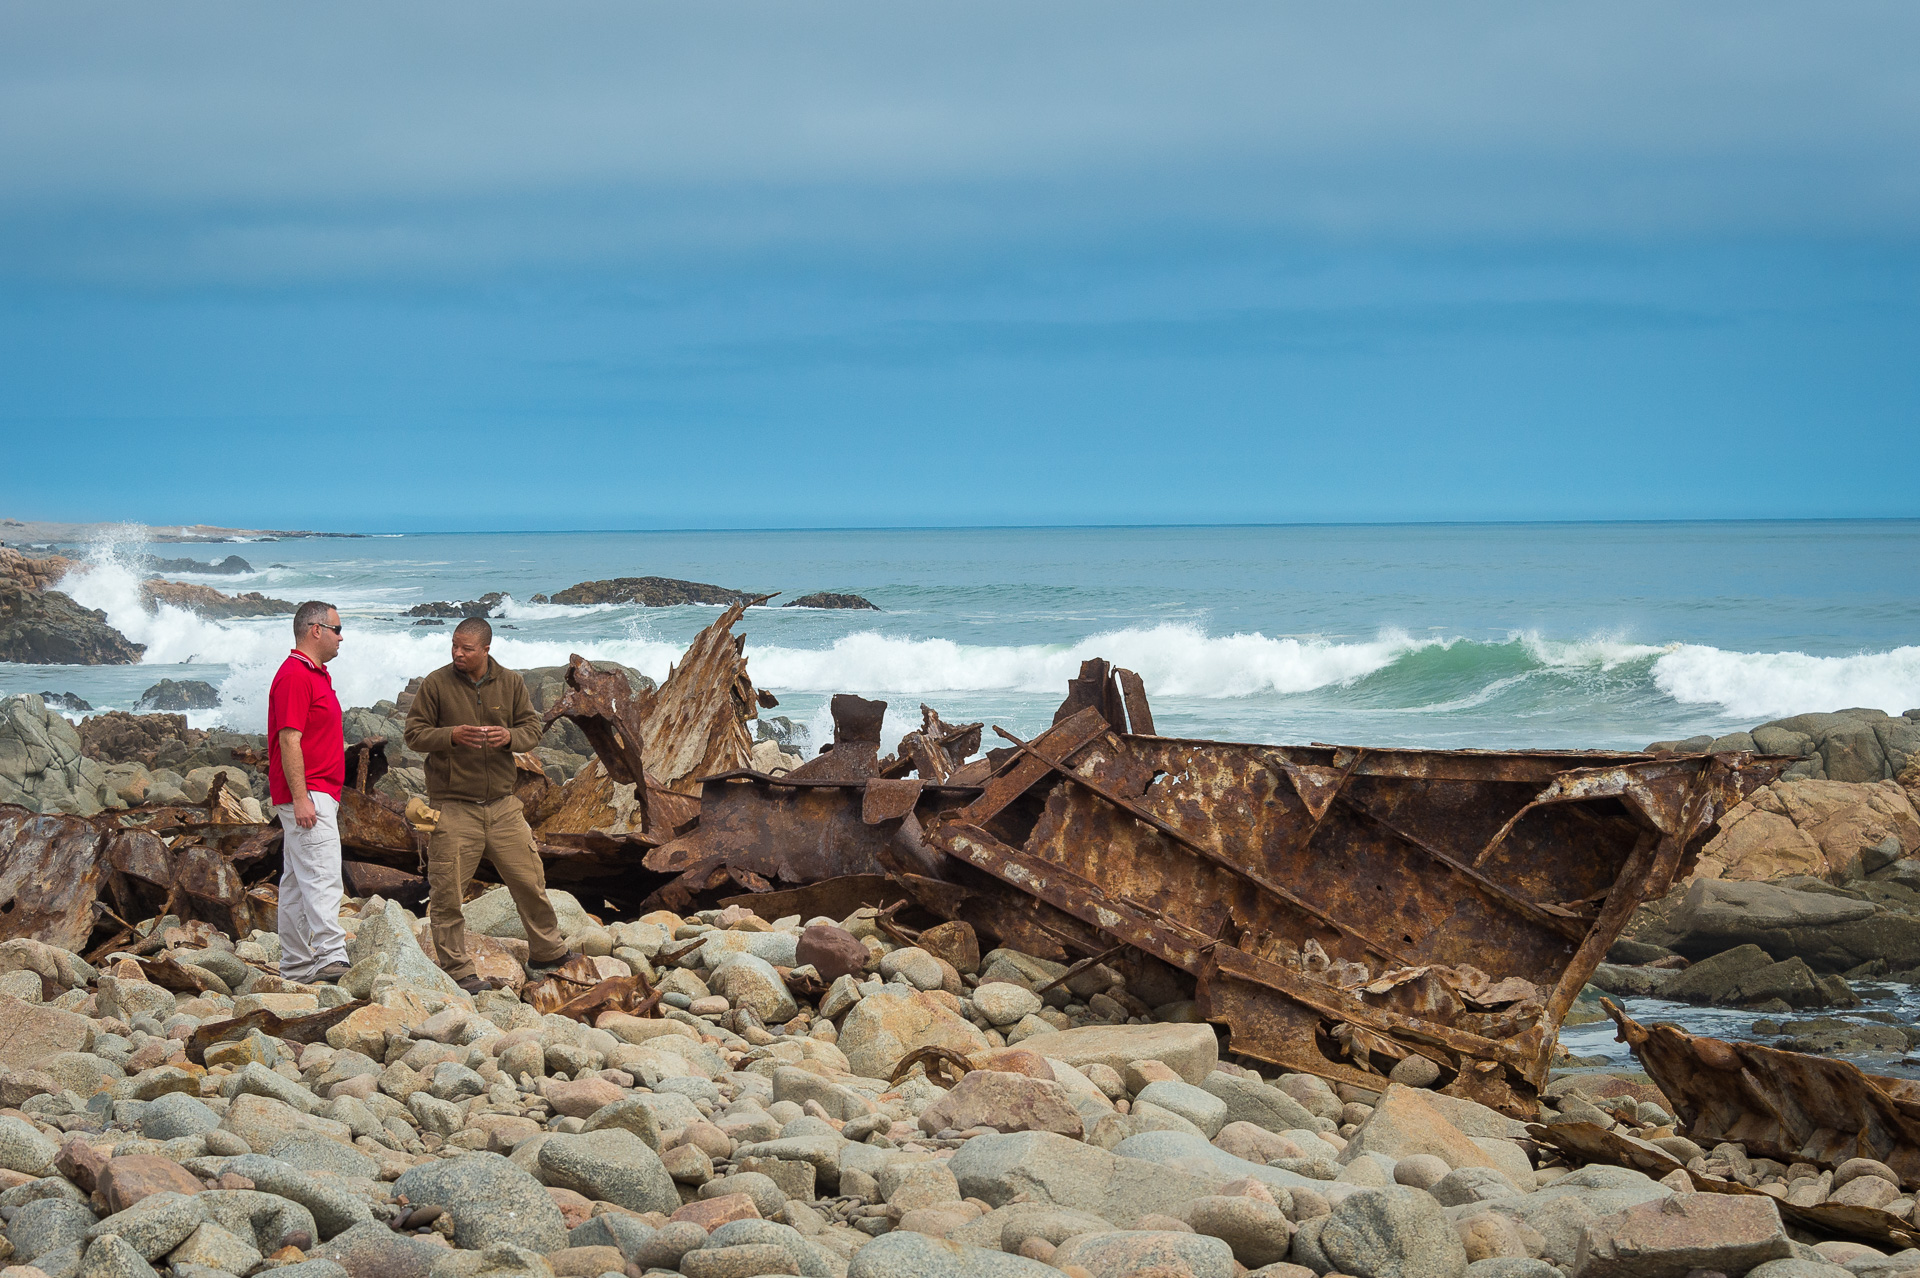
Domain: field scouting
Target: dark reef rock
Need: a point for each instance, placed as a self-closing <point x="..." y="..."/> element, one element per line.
<point x="826" y="599"/>
<point x="650" y="592"/>
<point x="47" y="628"/>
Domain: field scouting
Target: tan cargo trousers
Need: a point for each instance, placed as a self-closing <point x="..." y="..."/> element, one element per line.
<point x="498" y="831"/>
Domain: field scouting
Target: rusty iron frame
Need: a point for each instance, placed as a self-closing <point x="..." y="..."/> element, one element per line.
<point x="1225" y="859"/>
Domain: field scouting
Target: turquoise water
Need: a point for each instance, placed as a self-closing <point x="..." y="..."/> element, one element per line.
<point x="1557" y="635"/>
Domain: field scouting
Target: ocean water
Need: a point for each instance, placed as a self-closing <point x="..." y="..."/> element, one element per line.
<point x="1515" y="635"/>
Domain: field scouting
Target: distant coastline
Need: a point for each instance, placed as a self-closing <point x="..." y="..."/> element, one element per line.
<point x="36" y="532"/>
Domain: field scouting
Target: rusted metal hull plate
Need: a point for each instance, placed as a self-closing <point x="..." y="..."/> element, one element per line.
<point x="1343" y="907"/>
<point x="1784" y="1105"/>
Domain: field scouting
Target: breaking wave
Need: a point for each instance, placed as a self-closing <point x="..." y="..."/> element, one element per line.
<point x="1392" y="673"/>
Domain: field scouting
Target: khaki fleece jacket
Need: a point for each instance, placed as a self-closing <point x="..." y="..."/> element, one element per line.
<point x="448" y="699"/>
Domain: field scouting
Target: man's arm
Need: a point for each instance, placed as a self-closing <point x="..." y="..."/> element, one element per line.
<point x="293" y="766"/>
<point x="424" y="733"/>
<point x="527" y="728"/>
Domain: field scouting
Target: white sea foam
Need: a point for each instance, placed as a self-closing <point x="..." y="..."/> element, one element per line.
<point x="1776" y="684"/>
<point x="1172" y="660"/>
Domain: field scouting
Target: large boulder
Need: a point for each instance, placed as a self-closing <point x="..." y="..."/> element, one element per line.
<point x="493" y="913"/>
<point x="41" y="764"/>
<point x="46" y="628"/>
<point x="1687" y="1232"/>
<point x="385" y="949"/>
<point x="1860" y="744"/>
<point x="1815" y="827"/>
<point x="1831" y="929"/>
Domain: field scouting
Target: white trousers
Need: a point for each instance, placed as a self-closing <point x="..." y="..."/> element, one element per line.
<point x="310" y="933"/>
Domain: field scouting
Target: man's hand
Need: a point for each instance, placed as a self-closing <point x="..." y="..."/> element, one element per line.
<point x="473" y="734"/>
<point x="305" y="815"/>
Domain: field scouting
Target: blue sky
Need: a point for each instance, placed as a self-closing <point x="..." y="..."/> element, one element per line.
<point x="629" y="265"/>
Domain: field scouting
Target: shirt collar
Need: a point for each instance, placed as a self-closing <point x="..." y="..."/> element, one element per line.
<point x="310" y="663"/>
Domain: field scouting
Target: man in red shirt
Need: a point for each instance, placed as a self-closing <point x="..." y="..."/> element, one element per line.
<point x="306" y="766"/>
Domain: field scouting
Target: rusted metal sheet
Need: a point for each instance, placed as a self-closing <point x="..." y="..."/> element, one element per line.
<point x="1343" y="907"/>
<point x="696" y="724"/>
<point x="1585" y="1143"/>
<point x="791" y="831"/>
<point x="854" y="754"/>
<point x="50" y="874"/>
<point x="1783" y="1105"/>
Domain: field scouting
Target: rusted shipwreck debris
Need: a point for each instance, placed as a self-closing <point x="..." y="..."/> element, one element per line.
<point x="1788" y="1106"/>
<point x="1336" y="908"/>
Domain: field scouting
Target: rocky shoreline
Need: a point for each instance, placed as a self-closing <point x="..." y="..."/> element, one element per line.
<point x="820" y="1096"/>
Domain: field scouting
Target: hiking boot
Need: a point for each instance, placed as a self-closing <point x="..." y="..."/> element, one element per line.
<point x="330" y="974"/>
<point x="476" y="984"/>
<point x="546" y="967"/>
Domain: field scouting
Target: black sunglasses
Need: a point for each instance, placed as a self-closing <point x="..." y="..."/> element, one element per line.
<point x="324" y="626"/>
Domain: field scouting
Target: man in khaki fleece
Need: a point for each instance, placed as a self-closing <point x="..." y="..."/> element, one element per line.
<point x="469" y="718"/>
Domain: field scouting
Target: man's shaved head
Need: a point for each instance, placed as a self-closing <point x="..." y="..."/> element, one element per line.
<point x="475" y="630"/>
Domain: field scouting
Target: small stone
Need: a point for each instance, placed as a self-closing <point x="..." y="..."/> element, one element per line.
<point x="1201" y="1108"/>
<point x="1257" y="1230"/>
<point x="630" y="1114"/>
<point x="1420" y="1171"/>
<point x="904" y="1254"/>
<point x="215" y="1248"/>
<point x="743" y="1261"/>
<point x="711" y="1213"/>
<point x="113" y="1257"/>
<point x="913" y="965"/>
<point x="1003" y="1003"/>
<point x="1415" y="1071"/>
<point x="1191" y="1051"/>
<point x="1006" y="1103"/>
<point x="1118" y="1253"/>
<point x="155" y="1225"/>
<point x="581" y="1098"/>
<point x="669" y="1243"/>
<point x="125" y="1181"/>
<point x="882" y="1028"/>
<point x="1865" y="1191"/>
<point x="24" y="1149"/>
<point x="832" y="951"/>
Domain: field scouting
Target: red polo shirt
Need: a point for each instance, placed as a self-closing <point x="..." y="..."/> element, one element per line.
<point x="302" y="699"/>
